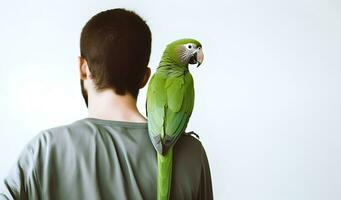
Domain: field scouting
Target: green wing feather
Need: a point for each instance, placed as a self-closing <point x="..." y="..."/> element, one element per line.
<point x="169" y="107"/>
<point x="155" y="105"/>
<point x="180" y="100"/>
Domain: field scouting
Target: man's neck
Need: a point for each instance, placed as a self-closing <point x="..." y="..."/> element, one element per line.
<point x="108" y="105"/>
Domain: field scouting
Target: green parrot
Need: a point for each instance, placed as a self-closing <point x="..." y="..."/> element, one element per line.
<point x="170" y="100"/>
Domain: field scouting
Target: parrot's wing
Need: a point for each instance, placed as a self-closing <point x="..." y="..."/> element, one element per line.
<point x="156" y="102"/>
<point x="180" y="101"/>
<point x="169" y="106"/>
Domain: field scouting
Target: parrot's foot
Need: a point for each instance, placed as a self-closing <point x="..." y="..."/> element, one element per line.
<point x="192" y="133"/>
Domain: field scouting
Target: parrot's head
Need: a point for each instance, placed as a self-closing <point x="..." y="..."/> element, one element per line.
<point x="185" y="51"/>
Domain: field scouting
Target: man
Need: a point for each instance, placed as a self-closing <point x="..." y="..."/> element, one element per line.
<point x="107" y="155"/>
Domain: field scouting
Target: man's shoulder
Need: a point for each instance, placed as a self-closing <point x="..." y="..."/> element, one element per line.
<point x="61" y="134"/>
<point x="81" y="123"/>
<point x="73" y="127"/>
<point x="190" y="145"/>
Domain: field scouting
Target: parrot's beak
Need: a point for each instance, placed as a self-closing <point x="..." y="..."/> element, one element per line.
<point x="200" y="56"/>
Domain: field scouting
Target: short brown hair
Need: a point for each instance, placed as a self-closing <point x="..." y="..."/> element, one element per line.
<point x="116" y="44"/>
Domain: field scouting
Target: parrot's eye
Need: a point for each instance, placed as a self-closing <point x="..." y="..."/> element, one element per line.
<point x="190" y="46"/>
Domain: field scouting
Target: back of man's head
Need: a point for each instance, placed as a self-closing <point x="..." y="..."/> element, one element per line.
<point x="116" y="45"/>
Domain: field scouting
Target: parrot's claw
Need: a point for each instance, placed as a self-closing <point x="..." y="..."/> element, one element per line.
<point x="192" y="133"/>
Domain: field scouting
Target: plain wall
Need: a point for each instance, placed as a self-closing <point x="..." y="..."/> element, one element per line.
<point x="268" y="97"/>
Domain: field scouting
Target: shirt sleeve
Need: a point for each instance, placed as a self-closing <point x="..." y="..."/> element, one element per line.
<point x="22" y="182"/>
<point x="206" y="192"/>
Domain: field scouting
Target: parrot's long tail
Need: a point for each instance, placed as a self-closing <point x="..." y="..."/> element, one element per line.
<point x="164" y="178"/>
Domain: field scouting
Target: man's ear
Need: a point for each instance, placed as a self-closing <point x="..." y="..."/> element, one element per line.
<point x="82" y="68"/>
<point x="145" y="78"/>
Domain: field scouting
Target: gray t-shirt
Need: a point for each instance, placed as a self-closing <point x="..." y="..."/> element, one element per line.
<point x="101" y="159"/>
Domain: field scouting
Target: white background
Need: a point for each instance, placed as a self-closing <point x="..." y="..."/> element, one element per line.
<point x="267" y="95"/>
